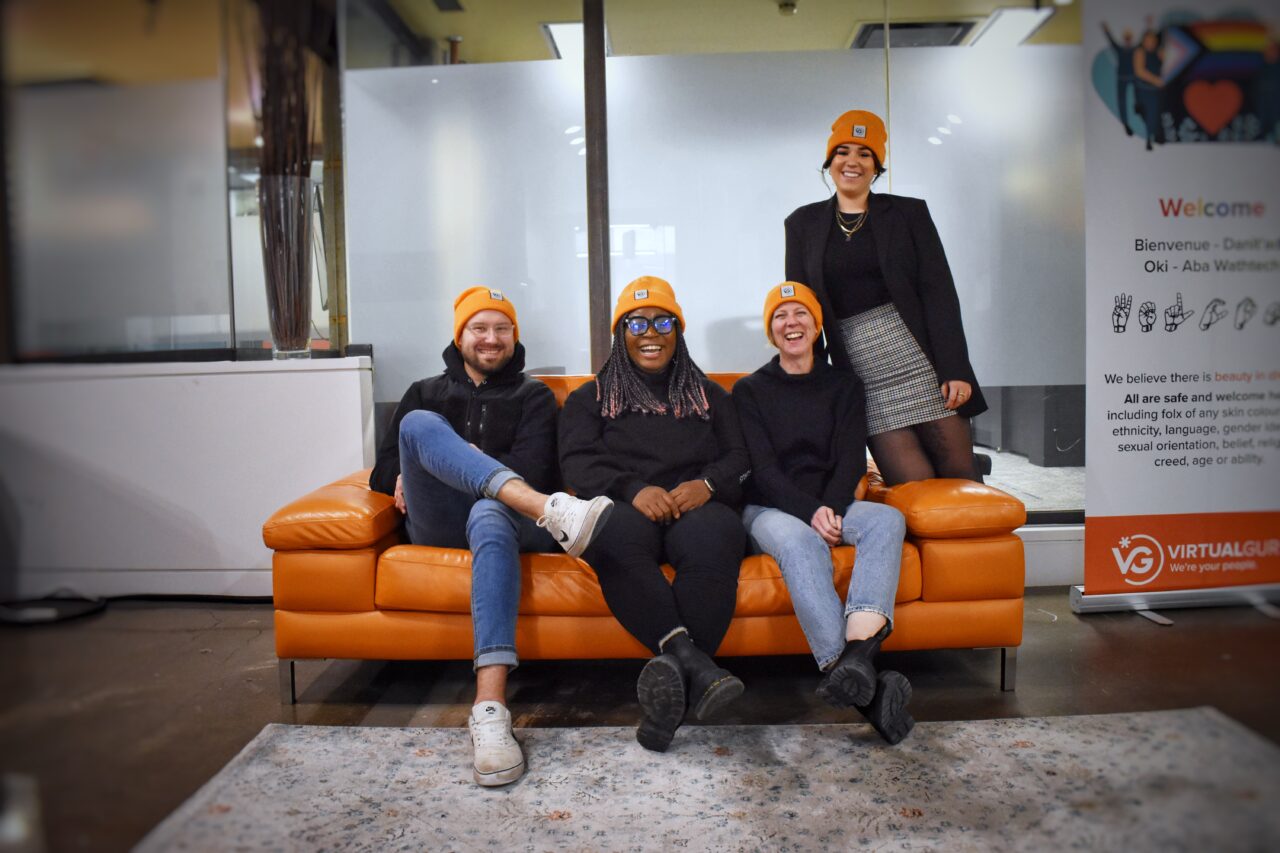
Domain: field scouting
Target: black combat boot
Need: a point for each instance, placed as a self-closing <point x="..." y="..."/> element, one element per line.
<point x="661" y="691"/>
<point x="887" y="711"/>
<point x="851" y="681"/>
<point x="710" y="687"/>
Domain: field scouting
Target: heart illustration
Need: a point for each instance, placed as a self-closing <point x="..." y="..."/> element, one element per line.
<point x="1212" y="105"/>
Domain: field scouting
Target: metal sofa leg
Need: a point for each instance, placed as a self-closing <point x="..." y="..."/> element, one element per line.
<point x="1008" y="668"/>
<point x="288" y="685"/>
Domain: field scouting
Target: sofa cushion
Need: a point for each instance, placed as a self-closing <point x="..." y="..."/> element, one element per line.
<point x="953" y="509"/>
<point x="414" y="577"/>
<point x="327" y="580"/>
<point x="417" y="577"/>
<point x="343" y="514"/>
<point x="972" y="569"/>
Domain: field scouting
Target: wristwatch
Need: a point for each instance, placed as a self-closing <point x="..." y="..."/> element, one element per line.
<point x="706" y="481"/>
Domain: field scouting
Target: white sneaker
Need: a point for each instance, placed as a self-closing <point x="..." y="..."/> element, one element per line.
<point x="496" y="755"/>
<point x="573" y="522"/>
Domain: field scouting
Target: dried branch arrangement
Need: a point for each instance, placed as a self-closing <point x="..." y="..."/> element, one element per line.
<point x="284" y="188"/>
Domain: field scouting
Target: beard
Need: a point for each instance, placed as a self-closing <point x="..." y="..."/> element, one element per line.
<point x="486" y="368"/>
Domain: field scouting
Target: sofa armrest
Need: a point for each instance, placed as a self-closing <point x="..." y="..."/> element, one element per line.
<point x="951" y="509"/>
<point x="345" y="514"/>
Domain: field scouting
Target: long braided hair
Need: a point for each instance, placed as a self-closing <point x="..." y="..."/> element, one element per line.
<point x="620" y="388"/>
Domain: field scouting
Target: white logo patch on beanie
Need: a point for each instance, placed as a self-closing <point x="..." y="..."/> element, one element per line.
<point x="788" y="290"/>
<point x="496" y="295"/>
<point x="859" y="131"/>
<point x="640" y="294"/>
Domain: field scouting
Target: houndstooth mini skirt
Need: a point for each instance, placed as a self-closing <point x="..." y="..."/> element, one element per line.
<point x="902" y="388"/>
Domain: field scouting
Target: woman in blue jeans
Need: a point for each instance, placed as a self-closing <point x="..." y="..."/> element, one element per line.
<point x="805" y="428"/>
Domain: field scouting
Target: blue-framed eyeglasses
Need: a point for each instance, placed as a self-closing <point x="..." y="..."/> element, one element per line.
<point x="663" y="324"/>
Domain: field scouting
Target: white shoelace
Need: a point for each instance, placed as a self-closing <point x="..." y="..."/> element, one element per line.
<point x="491" y="733"/>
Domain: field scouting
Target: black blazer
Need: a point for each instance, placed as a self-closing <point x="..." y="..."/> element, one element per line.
<point x="916" y="275"/>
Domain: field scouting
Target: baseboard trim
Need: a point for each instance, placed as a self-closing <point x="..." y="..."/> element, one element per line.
<point x="100" y="583"/>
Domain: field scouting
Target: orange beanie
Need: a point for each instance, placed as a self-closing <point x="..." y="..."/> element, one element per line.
<point x="790" y="291"/>
<point x="472" y="301"/>
<point x="647" y="292"/>
<point x="859" y="127"/>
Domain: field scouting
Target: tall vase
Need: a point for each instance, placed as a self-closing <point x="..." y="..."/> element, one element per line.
<point x="284" y="202"/>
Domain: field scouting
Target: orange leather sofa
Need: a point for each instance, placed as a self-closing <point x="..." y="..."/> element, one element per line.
<point x="346" y="586"/>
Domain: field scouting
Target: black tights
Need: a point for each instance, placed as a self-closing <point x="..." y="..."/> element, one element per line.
<point x="704" y="546"/>
<point x="941" y="448"/>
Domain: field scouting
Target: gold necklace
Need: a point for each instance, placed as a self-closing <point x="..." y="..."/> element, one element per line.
<point x="851" y="228"/>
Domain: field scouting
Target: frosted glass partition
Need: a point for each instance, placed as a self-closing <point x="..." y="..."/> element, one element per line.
<point x="993" y="139"/>
<point x="707" y="156"/>
<point x="120" y="218"/>
<point x="457" y="176"/>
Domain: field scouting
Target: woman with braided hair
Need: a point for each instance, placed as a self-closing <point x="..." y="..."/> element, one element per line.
<point x="660" y="439"/>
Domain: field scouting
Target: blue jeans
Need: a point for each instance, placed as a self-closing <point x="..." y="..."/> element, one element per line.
<point x="450" y="490"/>
<point x="875" y="530"/>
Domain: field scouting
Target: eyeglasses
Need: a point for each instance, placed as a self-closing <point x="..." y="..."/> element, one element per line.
<point x="482" y="331"/>
<point x="663" y="324"/>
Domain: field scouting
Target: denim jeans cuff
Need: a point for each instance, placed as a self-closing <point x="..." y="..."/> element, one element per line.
<point x="495" y="481"/>
<point x="868" y="608"/>
<point x="496" y="656"/>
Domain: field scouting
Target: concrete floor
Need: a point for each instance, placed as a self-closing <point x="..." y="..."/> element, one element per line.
<point x="123" y="715"/>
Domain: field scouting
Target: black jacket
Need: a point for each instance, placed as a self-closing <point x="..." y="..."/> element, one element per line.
<point x="619" y="456"/>
<point x="806" y="434"/>
<point x="509" y="416"/>
<point x="915" y="272"/>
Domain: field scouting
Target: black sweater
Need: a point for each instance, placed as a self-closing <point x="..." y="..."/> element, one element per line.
<point x="508" y="416"/>
<point x="916" y="275"/>
<point x="619" y="456"/>
<point x="806" y="434"/>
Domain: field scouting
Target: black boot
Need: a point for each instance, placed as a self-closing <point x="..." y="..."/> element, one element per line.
<point x="710" y="687"/>
<point x="887" y="711"/>
<point x="851" y="681"/>
<point x="661" y="691"/>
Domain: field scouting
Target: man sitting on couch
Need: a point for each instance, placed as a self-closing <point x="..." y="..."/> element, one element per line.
<point x="468" y="457"/>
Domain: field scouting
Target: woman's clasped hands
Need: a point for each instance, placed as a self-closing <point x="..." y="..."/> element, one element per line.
<point x="662" y="506"/>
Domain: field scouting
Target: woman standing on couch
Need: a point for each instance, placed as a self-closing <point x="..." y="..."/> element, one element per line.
<point x="663" y="441"/>
<point x="803" y="423"/>
<point x="880" y="274"/>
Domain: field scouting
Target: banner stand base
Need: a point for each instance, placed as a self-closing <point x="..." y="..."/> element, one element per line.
<point x="1257" y="595"/>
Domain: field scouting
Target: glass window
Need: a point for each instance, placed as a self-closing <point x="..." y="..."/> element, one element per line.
<point x="463" y="174"/>
<point x="117" y="172"/>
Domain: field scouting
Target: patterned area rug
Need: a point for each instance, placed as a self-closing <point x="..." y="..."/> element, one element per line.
<point x="1170" y="780"/>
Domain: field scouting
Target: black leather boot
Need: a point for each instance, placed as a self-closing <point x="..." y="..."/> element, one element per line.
<point x="887" y="711"/>
<point x="710" y="687"/>
<point x="851" y="681"/>
<point x="661" y="691"/>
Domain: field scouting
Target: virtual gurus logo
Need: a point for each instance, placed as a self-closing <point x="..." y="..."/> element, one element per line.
<point x="1139" y="559"/>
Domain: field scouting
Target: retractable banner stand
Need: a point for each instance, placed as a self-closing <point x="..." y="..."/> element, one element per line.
<point x="1182" y="202"/>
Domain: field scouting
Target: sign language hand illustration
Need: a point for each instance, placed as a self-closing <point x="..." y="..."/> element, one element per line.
<point x="1273" y="314"/>
<point x="1213" y="312"/>
<point x="1147" y="315"/>
<point x="1244" y="311"/>
<point x="1175" y="315"/>
<point x="1120" y="313"/>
